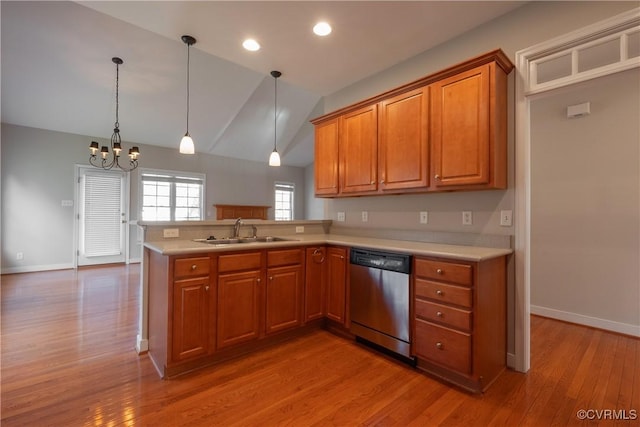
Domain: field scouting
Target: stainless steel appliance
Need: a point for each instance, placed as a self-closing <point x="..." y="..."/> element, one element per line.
<point x="379" y="299"/>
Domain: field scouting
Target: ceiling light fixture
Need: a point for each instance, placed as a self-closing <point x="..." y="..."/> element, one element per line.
<point x="322" y="29"/>
<point x="186" y="144"/>
<point x="251" y="45"/>
<point x="116" y="142"/>
<point x="274" y="158"/>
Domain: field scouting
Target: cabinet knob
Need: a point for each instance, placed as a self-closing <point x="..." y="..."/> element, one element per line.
<point x="382" y="181"/>
<point x="341" y="256"/>
<point x="439" y="292"/>
<point x="437" y="177"/>
<point x="439" y="346"/>
<point x="439" y="271"/>
<point x="270" y="277"/>
<point x="372" y="182"/>
<point x="439" y="314"/>
<point x="193" y="267"/>
<point x="258" y="280"/>
<point x="206" y="288"/>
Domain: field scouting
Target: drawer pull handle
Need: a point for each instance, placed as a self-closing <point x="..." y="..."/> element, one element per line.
<point x="439" y="346"/>
<point x="439" y="292"/>
<point x="437" y="177"/>
<point x="439" y="314"/>
<point x="439" y="271"/>
<point x="193" y="267"/>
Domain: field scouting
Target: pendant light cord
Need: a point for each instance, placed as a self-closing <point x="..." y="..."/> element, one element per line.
<point x="188" y="87"/>
<point x="117" y="124"/>
<point x="275" y="114"/>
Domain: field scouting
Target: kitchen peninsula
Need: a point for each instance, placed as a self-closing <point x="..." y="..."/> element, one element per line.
<point x="208" y="302"/>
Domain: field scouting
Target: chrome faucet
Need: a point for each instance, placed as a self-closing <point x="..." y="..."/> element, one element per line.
<point x="236" y="228"/>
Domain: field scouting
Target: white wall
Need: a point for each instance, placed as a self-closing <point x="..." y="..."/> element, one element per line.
<point x="38" y="173"/>
<point x="585" y="204"/>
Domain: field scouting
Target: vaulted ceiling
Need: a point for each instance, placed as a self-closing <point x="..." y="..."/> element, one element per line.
<point x="57" y="72"/>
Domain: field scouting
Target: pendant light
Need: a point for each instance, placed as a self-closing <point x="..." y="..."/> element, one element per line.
<point x="116" y="142"/>
<point x="186" y="144"/>
<point x="274" y="158"/>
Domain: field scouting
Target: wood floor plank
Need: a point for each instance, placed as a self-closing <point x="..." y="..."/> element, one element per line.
<point x="68" y="359"/>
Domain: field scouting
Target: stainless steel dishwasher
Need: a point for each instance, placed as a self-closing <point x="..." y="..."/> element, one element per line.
<point x="379" y="298"/>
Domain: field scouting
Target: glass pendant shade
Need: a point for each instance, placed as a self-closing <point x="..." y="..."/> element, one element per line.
<point x="274" y="158"/>
<point x="186" y="145"/>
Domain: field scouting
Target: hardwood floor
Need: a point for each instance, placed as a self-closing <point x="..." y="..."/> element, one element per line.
<point x="68" y="359"/>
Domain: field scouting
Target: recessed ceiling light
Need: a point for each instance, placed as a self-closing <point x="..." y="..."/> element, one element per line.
<point x="251" y="44"/>
<point x="322" y="29"/>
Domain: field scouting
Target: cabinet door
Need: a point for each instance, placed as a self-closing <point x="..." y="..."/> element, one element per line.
<point x="191" y="321"/>
<point x="283" y="298"/>
<point x="315" y="277"/>
<point x="358" y="151"/>
<point x="460" y="128"/>
<point x="336" y="285"/>
<point x="238" y="308"/>
<point x="326" y="158"/>
<point x="403" y="154"/>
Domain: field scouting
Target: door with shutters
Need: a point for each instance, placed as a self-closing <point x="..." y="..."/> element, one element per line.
<point x="102" y="217"/>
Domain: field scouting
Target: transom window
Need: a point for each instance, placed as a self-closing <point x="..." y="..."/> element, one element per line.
<point x="172" y="196"/>
<point x="284" y="201"/>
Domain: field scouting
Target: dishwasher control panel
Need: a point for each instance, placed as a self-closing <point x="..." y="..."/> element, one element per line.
<point x="391" y="261"/>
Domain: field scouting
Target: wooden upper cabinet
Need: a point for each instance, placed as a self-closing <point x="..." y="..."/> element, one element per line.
<point x="358" y="166"/>
<point x="326" y="158"/>
<point x="468" y="130"/>
<point x="446" y="131"/>
<point x="403" y="150"/>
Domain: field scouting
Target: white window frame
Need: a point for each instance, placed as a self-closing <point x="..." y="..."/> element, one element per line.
<point x="173" y="177"/>
<point x="288" y="187"/>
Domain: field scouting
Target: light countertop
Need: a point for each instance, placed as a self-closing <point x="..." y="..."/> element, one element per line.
<point x="467" y="253"/>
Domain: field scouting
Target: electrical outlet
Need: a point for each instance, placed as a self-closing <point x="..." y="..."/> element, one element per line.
<point x="299" y="228"/>
<point x="424" y="217"/>
<point x="365" y="216"/>
<point x="467" y="218"/>
<point x="66" y="203"/>
<point x="506" y="218"/>
<point x="171" y="232"/>
<point x="341" y="216"/>
<point x="19" y="256"/>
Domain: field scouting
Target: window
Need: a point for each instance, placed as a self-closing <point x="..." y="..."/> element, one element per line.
<point x="172" y="196"/>
<point x="284" y="201"/>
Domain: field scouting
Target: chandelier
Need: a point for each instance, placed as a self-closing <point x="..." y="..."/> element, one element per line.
<point x="110" y="161"/>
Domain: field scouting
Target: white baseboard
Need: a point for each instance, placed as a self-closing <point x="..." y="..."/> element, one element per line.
<point x="135" y="261"/>
<point x="581" y="319"/>
<point x="34" y="268"/>
<point x="511" y="360"/>
<point x="142" y="345"/>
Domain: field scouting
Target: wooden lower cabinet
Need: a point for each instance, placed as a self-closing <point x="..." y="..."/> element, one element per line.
<point x="238" y="307"/>
<point x="315" y="283"/>
<point x="284" y="290"/>
<point x="459" y="319"/>
<point x="193" y="333"/>
<point x="337" y="262"/>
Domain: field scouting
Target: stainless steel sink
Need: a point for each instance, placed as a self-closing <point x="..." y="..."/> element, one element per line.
<point x="263" y="239"/>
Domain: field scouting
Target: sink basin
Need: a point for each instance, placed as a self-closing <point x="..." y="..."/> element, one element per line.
<point x="263" y="239"/>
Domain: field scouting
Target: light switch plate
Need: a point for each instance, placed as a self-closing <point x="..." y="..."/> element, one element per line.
<point x="424" y="217"/>
<point x="171" y="232"/>
<point x="341" y="216"/>
<point x="506" y="218"/>
<point x="365" y="216"/>
<point x="299" y="228"/>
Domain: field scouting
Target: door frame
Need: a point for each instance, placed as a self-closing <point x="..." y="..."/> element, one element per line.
<point x="76" y="213"/>
<point x="526" y="89"/>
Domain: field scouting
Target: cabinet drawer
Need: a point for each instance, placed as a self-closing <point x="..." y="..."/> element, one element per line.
<point x="444" y="271"/>
<point x="191" y="267"/>
<point x="448" y="316"/>
<point x="240" y="261"/>
<point x="284" y="257"/>
<point x="441" y="292"/>
<point x="444" y="346"/>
